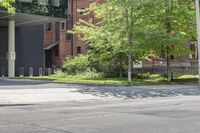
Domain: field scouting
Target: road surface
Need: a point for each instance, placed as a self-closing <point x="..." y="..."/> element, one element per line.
<point x="99" y="109"/>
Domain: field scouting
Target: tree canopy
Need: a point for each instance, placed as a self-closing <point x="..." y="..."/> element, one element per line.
<point x="7" y="4"/>
<point x="135" y="28"/>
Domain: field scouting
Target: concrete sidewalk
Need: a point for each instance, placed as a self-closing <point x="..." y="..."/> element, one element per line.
<point x="31" y="96"/>
<point x="30" y="92"/>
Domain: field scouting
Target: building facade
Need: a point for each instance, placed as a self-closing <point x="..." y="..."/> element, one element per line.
<point x="35" y="38"/>
<point x="68" y="45"/>
<point x="24" y="38"/>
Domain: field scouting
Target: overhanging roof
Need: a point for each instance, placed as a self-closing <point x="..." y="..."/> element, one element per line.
<point x="51" y="45"/>
<point x="23" y="19"/>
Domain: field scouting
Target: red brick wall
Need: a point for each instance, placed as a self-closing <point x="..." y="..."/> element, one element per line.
<point x="77" y="5"/>
<point x="64" y="45"/>
<point x="50" y="35"/>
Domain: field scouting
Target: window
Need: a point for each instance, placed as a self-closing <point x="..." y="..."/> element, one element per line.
<point x="62" y="25"/>
<point x="78" y="51"/>
<point x="48" y="27"/>
<point x="69" y="36"/>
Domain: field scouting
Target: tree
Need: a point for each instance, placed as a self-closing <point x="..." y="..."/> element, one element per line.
<point x="135" y="28"/>
<point x="7" y="4"/>
<point x="171" y="27"/>
<point x="116" y="31"/>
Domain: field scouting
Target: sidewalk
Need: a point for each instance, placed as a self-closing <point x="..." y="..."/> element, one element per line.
<point x="30" y="92"/>
<point x="31" y="96"/>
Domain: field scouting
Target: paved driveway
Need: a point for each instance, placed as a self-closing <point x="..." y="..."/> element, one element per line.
<point x="25" y="92"/>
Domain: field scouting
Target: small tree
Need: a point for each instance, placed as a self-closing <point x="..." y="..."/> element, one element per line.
<point x="170" y="27"/>
<point x="7" y="4"/>
<point x="115" y="34"/>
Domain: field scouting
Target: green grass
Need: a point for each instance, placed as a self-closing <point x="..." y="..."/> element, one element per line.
<point x="188" y="79"/>
<point x="148" y="80"/>
<point x="104" y="81"/>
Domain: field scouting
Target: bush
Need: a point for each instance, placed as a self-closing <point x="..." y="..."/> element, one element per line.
<point x="149" y="76"/>
<point x="76" y="65"/>
<point x="87" y="74"/>
<point x="59" y="74"/>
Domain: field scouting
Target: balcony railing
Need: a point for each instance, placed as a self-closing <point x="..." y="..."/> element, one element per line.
<point x="54" y="8"/>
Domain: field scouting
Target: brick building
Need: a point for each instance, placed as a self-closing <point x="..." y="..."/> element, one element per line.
<point x="57" y="44"/>
<point x="69" y="45"/>
<point x="40" y="37"/>
<point x="25" y="40"/>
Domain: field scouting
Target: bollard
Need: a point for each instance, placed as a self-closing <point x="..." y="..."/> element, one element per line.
<point x="3" y="72"/>
<point x="21" y="72"/>
<point x="49" y="71"/>
<point x="31" y="72"/>
<point x="40" y="72"/>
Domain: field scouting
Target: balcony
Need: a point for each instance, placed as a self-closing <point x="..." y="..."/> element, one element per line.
<point x="53" y="8"/>
<point x="34" y="12"/>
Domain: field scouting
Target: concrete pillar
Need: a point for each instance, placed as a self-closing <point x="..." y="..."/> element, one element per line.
<point x="11" y="48"/>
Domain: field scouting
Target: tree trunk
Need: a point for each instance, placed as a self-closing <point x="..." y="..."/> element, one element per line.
<point x="129" y="68"/>
<point x="130" y="41"/>
<point x="168" y="64"/>
<point x="169" y="32"/>
<point x="121" y="70"/>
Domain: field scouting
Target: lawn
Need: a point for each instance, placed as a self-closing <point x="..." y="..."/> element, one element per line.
<point x="150" y="80"/>
<point x="192" y="79"/>
<point x="105" y="81"/>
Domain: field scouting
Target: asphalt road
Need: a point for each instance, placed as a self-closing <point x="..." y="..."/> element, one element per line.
<point x="149" y="109"/>
<point x="159" y="115"/>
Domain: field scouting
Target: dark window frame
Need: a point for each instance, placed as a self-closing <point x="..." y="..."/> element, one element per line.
<point x="48" y="27"/>
<point x="69" y="36"/>
<point x="62" y="26"/>
<point x="78" y="50"/>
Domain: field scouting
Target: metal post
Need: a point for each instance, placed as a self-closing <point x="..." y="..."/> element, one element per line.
<point x="198" y="32"/>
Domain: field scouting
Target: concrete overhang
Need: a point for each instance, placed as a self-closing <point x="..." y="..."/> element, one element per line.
<point x="22" y="19"/>
<point x="51" y="45"/>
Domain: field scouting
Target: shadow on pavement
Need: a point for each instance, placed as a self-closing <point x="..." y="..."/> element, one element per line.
<point x="141" y="92"/>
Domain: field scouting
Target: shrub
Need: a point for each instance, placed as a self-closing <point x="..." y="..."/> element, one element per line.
<point x="149" y="76"/>
<point x="59" y="74"/>
<point x="89" y="74"/>
<point x="76" y="65"/>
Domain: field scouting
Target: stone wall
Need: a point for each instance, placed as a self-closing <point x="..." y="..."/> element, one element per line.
<point x="187" y="67"/>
